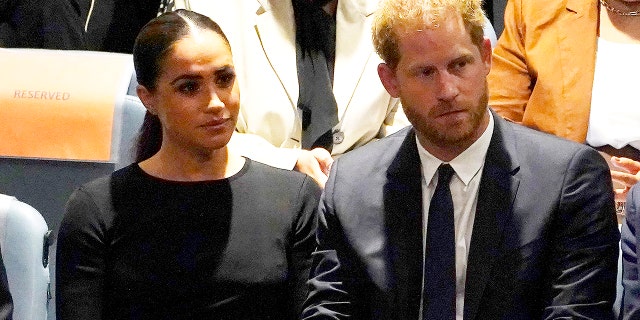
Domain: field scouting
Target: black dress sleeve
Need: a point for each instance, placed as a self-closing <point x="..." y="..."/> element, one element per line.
<point x="303" y="243"/>
<point x="80" y="260"/>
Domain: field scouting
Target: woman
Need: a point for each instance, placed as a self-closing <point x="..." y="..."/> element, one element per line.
<point x="192" y="230"/>
<point x="546" y="74"/>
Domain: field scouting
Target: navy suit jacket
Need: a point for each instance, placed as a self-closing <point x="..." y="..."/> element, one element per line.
<point x="630" y="251"/>
<point x="544" y="242"/>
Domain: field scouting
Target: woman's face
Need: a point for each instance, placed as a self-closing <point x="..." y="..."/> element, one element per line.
<point x="196" y="96"/>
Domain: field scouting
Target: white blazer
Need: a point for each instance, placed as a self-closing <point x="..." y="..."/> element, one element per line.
<point x="262" y="37"/>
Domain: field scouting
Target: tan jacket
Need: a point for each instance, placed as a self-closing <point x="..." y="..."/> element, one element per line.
<point x="543" y="65"/>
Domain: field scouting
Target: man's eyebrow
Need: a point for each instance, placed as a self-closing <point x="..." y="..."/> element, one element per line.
<point x="464" y="57"/>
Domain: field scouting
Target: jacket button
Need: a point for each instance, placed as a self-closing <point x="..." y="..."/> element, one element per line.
<point x="338" y="137"/>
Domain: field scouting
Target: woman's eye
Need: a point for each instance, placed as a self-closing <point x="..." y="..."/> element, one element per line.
<point x="225" y="80"/>
<point x="188" y="87"/>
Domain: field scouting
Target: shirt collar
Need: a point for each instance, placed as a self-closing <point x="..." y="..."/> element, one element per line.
<point x="467" y="164"/>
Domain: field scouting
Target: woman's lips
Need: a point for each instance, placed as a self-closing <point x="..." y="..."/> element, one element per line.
<point x="216" y="122"/>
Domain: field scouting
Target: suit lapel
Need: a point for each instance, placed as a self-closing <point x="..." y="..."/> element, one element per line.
<point x="403" y="222"/>
<point x="353" y="48"/>
<point x="275" y="27"/>
<point x="498" y="187"/>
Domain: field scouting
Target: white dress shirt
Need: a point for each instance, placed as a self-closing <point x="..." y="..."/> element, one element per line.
<point x="464" y="188"/>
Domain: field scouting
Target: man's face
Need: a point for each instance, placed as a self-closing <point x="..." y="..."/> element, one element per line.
<point x="441" y="82"/>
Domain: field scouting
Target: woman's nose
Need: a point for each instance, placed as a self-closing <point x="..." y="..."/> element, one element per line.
<point x="214" y="101"/>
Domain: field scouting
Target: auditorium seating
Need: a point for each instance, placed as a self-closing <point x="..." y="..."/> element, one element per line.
<point x="99" y="112"/>
<point x="24" y="243"/>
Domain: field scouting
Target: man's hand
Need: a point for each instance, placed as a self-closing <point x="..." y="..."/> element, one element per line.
<point x="316" y="163"/>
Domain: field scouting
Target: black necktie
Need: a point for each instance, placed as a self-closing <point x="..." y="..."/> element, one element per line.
<point x="315" y="57"/>
<point x="439" y="291"/>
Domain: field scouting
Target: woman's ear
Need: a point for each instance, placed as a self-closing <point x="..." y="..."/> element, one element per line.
<point x="148" y="98"/>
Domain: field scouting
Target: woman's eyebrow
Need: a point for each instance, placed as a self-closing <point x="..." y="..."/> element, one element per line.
<point x="186" y="76"/>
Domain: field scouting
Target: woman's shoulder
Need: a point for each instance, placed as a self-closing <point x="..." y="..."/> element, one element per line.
<point x="259" y="168"/>
<point x="277" y="178"/>
<point x="100" y="190"/>
<point x="101" y="184"/>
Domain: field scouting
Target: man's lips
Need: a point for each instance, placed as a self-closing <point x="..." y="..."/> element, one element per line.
<point x="450" y="113"/>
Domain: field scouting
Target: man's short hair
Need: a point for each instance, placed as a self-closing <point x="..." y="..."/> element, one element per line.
<point x="396" y="16"/>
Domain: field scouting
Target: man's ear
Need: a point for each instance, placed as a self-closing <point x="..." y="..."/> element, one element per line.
<point x="486" y="52"/>
<point x="147" y="98"/>
<point x="388" y="79"/>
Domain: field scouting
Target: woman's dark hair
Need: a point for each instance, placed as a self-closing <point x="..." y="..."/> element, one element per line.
<point x="154" y="41"/>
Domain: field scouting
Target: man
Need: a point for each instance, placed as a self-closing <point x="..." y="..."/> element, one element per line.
<point x="524" y="230"/>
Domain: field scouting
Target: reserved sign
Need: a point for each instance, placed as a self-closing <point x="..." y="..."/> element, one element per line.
<point x="58" y="104"/>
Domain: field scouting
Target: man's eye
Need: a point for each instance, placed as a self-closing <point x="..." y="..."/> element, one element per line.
<point x="426" y="72"/>
<point x="460" y="64"/>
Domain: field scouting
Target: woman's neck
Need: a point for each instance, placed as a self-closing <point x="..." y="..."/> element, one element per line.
<point x="195" y="165"/>
<point x="616" y="27"/>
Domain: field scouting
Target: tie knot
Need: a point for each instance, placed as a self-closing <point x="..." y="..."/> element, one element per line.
<point x="445" y="172"/>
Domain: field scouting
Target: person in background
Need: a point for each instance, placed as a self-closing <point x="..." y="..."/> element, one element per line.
<point x="112" y="25"/>
<point x="192" y="230"/>
<point x="6" y="303"/>
<point x="50" y="24"/>
<point x="563" y="67"/>
<point x="630" y="246"/>
<point x="464" y="215"/>
<point x="494" y="10"/>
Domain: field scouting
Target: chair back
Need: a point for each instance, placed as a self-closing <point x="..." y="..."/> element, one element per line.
<point x="57" y="99"/>
<point x="24" y="243"/>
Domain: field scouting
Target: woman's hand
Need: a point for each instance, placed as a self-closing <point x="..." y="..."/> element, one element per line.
<point x="627" y="176"/>
<point x="316" y="163"/>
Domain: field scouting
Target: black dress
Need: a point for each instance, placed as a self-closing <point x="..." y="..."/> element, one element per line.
<point x="132" y="246"/>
